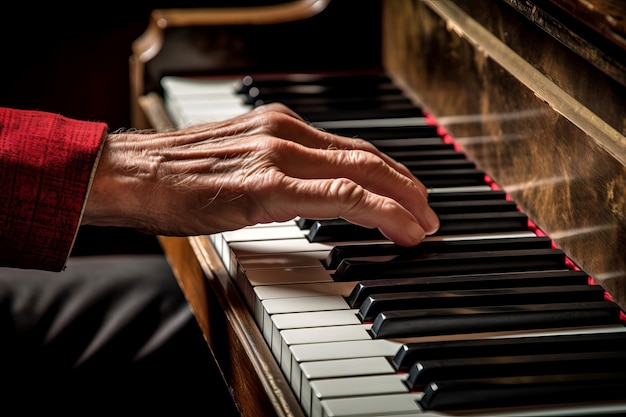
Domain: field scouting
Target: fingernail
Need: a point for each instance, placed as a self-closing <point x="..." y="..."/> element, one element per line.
<point x="433" y="221"/>
<point x="416" y="232"/>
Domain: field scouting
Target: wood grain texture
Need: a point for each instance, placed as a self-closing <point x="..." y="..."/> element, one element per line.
<point x="572" y="184"/>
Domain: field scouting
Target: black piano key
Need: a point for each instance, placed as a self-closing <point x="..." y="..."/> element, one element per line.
<point x="440" y="164"/>
<point x="411" y="353"/>
<point x="350" y="103"/>
<point x="472" y="206"/>
<point x="378" y="303"/>
<point x="454" y="177"/>
<point x="460" y="196"/>
<point x="340" y="230"/>
<point x="340" y="252"/>
<point x="358" y="269"/>
<point x="319" y="114"/>
<point x="459" y="199"/>
<point x="424" y="372"/>
<point x="387" y="132"/>
<point x="446" y="151"/>
<point x="397" y="146"/>
<point x="469" y="394"/>
<point x="364" y="289"/>
<point x="466" y="320"/>
<point x="282" y="80"/>
<point x="482" y="222"/>
<point x="266" y="94"/>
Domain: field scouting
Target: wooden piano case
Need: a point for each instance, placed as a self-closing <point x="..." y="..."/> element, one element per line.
<point x="534" y="91"/>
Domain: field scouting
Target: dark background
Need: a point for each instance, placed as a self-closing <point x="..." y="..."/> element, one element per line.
<point x="74" y="60"/>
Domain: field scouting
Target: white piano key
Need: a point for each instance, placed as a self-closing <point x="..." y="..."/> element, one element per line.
<point x="339" y="368"/>
<point x="317" y="335"/>
<point x="344" y="350"/>
<point x="187" y="86"/>
<point x="305" y="304"/>
<point x="277" y="322"/>
<point x="315" y="319"/>
<point x="346" y="367"/>
<point x="326" y="334"/>
<point x="256" y="248"/>
<point x="374" y="405"/>
<point x="283" y="260"/>
<point x="280" y="306"/>
<point x="309" y="274"/>
<point x="268" y="292"/>
<point x="263" y="233"/>
<point x="326" y="389"/>
<point x="335" y="350"/>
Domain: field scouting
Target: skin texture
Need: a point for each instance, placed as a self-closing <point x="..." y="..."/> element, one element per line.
<point x="265" y="166"/>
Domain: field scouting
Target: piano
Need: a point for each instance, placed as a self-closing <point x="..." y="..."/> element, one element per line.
<point x="512" y="112"/>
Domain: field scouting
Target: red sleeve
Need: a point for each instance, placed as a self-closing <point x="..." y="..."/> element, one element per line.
<point x="46" y="162"/>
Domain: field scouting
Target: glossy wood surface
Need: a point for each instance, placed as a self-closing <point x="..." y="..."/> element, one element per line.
<point x="551" y="133"/>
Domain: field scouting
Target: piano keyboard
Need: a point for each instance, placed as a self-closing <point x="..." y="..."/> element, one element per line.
<point x="486" y="317"/>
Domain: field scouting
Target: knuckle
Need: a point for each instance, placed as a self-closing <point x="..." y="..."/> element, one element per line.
<point x="345" y="192"/>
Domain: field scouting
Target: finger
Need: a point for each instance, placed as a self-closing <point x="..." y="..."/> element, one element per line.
<point x="342" y="198"/>
<point x="275" y="107"/>
<point x="365" y="169"/>
<point x="304" y="134"/>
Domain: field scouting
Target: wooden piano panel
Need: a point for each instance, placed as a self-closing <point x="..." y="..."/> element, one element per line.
<point x="549" y="130"/>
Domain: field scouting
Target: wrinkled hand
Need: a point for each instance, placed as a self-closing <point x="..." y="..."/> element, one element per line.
<point x="265" y="166"/>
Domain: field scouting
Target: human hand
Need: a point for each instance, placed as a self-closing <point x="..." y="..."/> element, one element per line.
<point x="265" y="166"/>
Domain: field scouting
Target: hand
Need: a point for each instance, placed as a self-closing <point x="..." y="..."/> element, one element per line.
<point x="265" y="166"/>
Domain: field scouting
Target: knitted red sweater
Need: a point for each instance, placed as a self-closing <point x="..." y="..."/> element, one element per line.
<point x="46" y="163"/>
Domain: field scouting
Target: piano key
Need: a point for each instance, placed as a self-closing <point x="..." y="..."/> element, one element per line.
<point x="274" y="324"/>
<point x="453" y="195"/>
<point x="283" y="260"/>
<point x="595" y="340"/>
<point x="340" y="252"/>
<point x="374" y="405"/>
<point x="423" y="372"/>
<point x="292" y="264"/>
<point x="432" y="264"/>
<point x="441" y="151"/>
<point x="247" y="81"/>
<point x="266" y="94"/>
<point x="383" y="133"/>
<point x="439" y="164"/>
<point x="379" y="303"/>
<point x="362" y="111"/>
<point x="453" y="177"/>
<point x="503" y="280"/>
<point x="283" y="291"/>
<point x="325" y="389"/>
<point x="406" y="323"/>
<point x="380" y="125"/>
<point x="353" y="349"/>
<point x="419" y="144"/>
<point x="337" y="230"/>
<point x="377" y="365"/>
<point x="523" y="391"/>
<point x="472" y="206"/>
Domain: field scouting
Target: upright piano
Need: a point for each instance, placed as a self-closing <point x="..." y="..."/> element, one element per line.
<point x="512" y="112"/>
